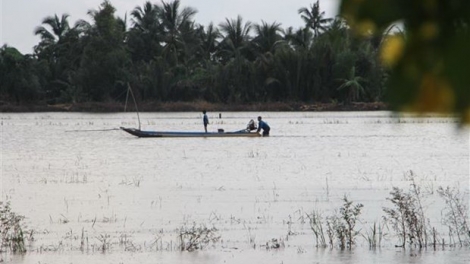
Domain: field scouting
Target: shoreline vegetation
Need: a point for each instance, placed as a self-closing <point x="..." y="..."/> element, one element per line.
<point x="340" y="229"/>
<point x="111" y="107"/>
<point x="166" y="56"/>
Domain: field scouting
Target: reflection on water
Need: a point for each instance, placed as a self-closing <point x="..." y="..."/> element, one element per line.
<point x="82" y="184"/>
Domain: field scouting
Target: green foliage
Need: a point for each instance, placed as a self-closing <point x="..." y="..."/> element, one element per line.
<point x="428" y="59"/>
<point x="353" y="85"/>
<point x="19" y="81"/>
<point x="166" y="56"/>
<point x="11" y="230"/>
<point x="313" y="18"/>
<point x="102" y="72"/>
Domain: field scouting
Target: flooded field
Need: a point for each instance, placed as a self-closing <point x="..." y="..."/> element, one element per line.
<point x="93" y="193"/>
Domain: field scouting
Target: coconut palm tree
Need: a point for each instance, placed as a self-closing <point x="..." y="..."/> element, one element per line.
<point x="267" y="41"/>
<point x="301" y="39"/>
<point x="59" y="26"/>
<point x="235" y="56"/>
<point x="145" y="35"/>
<point x="145" y="19"/>
<point x="236" y="38"/>
<point x="60" y="49"/>
<point x="177" y="29"/>
<point x="338" y="34"/>
<point x="209" y="38"/>
<point x="267" y="37"/>
<point x="353" y="85"/>
<point x="313" y="18"/>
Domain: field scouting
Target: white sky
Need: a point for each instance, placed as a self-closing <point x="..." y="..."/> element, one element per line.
<point x="19" y="18"/>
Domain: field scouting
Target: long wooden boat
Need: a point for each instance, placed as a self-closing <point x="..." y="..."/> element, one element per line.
<point x="145" y="134"/>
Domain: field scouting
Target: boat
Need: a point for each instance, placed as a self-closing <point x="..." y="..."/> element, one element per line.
<point x="174" y="134"/>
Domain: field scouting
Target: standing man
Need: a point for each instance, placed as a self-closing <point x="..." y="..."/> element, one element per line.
<point x="263" y="125"/>
<point x="205" y="120"/>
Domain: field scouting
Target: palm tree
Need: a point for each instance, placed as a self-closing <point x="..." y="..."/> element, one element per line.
<point x="267" y="37"/>
<point x="146" y="19"/>
<point x="338" y="34"/>
<point x="265" y="45"/>
<point x="60" y="27"/>
<point x="208" y="38"/>
<point x="236" y="38"/>
<point x="145" y="35"/>
<point x="354" y="86"/>
<point x="177" y="29"/>
<point x="60" y="48"/>
<point x="313" y="18"/>
<point x="235" y="56"/>
<point x="60" y="36"/>
<point x="300" y="40"/>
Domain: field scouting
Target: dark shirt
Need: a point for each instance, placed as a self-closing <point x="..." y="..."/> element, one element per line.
<point x="263" y="125"/>
<point x="205" y="120"/>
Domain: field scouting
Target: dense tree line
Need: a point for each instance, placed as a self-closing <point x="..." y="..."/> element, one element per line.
<point x="166" y="56"/>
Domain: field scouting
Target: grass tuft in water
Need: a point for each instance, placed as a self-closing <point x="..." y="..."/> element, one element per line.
<point x="375" y="234"/>
<point x="197" y="237"/>
<point x="316" y="225"/>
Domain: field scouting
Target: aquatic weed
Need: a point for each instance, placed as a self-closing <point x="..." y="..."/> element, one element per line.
<point x="340" y="226"/>
<point x="407" y="218"/>
<point x="316" y="225"/>
<point x="11" y="230"/>
<point x="455" y="214"/>
<point x="375" y="234"/>
<point x="197" y="237"/>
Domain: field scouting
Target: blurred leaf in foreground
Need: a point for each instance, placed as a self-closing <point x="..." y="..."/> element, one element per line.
<point x="428" y="54"/>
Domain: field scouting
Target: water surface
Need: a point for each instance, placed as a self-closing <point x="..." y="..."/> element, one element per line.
<point x="77" y="177"/>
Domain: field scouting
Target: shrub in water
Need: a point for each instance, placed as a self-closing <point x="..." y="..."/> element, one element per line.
<point x="342" y="225"/>
<point x="455" y="214"/>
<point x="195" y="238"/>
<point x="349" y="215"/>
<point x="11" y="232"/>
<point x="406" y="218"/>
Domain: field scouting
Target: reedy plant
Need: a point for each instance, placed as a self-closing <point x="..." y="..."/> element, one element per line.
<point x="422" y="236"/>
<point x="315" y="220"/>
<point x="11" y="230"/>
<point x="330" y="231"/>
<point x="349" y="214"/>
<point x="342" y="224"/>
<point x="455" y="214"/>
<point x="406" y="218"/>
<point x="375" y="234"/>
